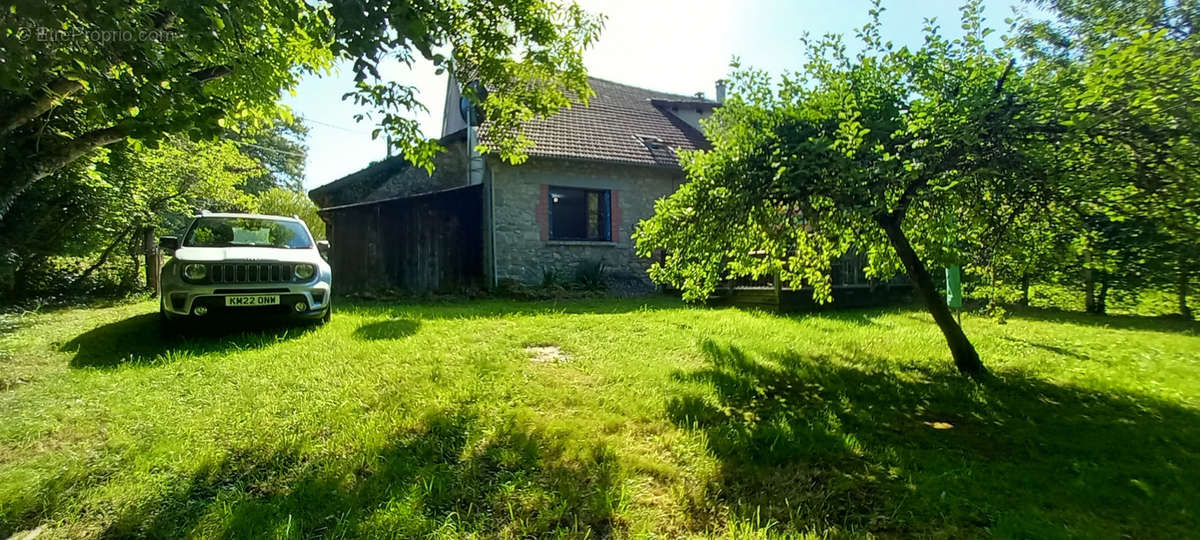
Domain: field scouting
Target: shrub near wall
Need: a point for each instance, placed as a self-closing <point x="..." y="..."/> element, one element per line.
<point x="57" y="277"/>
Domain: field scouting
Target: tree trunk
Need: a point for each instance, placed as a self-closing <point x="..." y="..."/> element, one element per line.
<point x="1025" y="290"/>
<point x="1184" y="280"/>
<point x="133" y="250"/>
<point x="17" y="183"/>
<point x="965" y="358"/>
<point x="992" y="302"/>
<point x="153" y="262"/>
<point x="1102" y="297"/>
<point x="1089" y="287"/>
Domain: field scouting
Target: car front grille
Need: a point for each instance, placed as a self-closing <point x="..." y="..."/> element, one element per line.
<point x="251" y="273"/>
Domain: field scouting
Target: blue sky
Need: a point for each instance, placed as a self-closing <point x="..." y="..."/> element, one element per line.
<point x="678" y="46"/>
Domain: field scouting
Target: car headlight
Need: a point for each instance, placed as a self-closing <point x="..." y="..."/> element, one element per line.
<point x="304" y="272"/>
<point x="195" y="272"/>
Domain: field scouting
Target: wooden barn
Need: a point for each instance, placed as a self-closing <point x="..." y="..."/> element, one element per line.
<point x="426" y="242"/>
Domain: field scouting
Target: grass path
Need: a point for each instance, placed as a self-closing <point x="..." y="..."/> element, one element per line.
<point x="633" y="418"/>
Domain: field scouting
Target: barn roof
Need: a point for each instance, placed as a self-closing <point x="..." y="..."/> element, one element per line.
<point x="377" y="172"/>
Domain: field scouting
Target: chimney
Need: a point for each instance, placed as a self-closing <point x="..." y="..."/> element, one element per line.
<point x="721" y="90"/>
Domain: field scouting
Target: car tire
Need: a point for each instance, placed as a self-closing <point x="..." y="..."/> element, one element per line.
<point x="328" y="313"/>
<point x="167" y="327"/>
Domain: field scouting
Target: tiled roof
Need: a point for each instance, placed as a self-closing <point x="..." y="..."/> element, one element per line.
<point x="620" y="124"/>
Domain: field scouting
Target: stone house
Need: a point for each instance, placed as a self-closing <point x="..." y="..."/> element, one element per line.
<point x="593" y="173"/>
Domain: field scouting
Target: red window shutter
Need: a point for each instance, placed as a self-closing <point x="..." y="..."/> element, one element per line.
<point x="542" y="211"/>
<point x="614" y="216"/>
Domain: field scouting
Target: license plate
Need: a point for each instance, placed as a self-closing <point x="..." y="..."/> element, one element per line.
<point x="253" y="300"/>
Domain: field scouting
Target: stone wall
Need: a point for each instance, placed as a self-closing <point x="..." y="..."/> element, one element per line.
<point x="523" y="249"/>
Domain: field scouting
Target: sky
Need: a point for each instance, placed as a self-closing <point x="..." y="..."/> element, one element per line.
<point x="677" y="46"/>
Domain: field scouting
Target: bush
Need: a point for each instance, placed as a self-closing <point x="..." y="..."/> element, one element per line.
<point x="57" y="277"/>
<point x="591" y="274"/>
<point x="550" y="278"/>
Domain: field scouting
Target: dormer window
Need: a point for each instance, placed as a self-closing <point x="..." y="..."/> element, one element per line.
<point x="653" y="143"/>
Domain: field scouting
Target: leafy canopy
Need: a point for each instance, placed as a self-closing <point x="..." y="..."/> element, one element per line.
<point x="80" y="75"/>
<point x="1126" y="76"/>
<point x="928" y="141"/>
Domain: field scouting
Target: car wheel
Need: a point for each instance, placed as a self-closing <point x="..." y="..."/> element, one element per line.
<point x="167" y="327"/>
<point x="328" y="313"/>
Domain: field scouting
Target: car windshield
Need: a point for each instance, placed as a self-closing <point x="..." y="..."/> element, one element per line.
<point x="246" y="231"/>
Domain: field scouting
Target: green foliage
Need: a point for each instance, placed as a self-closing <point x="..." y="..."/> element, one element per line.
<point x="56" y="278"/>
<point x="930" y="140"/>
<point x="528" y="53"/>
<point x="101" y="211"/>
<point x="93" y="74"/>
<point x="1123" y="76"/>
<point x="588" y="280"/>
<point x="284" y="202"/>
<point x="281" y="153"/>
<point x="550" y="277"/>
<point x="557" y="289"/>
<point x="168" y="184"/>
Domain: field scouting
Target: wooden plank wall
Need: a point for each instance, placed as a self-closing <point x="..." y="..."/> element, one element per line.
<point x="424" y="243"/>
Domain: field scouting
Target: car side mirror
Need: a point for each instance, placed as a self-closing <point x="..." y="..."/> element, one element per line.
<point x="323" y="247"/>
<point x="169" y="243"/>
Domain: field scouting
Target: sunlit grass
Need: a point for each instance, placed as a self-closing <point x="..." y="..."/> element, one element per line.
<point x="643" y="417"/>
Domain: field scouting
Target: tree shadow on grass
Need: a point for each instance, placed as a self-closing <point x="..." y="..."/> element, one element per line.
<point x="1166" y="323"/>
<point x="1061" y="351"/>
<point x="861" y="317"/>
<point x="387" y="329"/>
<point x="814" y="443"/>
<point x="137" y="340"/>
<point x="455" y="476"/>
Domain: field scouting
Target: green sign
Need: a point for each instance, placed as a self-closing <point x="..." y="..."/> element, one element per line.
<point x="954" y="286"/>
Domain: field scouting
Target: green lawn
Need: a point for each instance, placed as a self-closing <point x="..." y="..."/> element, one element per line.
<point x="650" y="419"/>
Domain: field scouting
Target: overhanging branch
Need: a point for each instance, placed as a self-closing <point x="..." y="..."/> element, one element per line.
<point x="60" y="156"/>
<point x="210" y="73"/>
<point x="54" y="94"/>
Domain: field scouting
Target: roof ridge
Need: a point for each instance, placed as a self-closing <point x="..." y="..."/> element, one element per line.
<point x="647" y="90"/>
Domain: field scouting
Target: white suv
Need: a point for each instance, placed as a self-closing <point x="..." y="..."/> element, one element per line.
<point x="244" y="264"/>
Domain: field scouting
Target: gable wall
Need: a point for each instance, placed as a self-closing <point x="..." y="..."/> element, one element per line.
<point x="523" y="249"/>
<point x="450" y="171"/>
<point x="690" y="116"/>
<point x="398" y="178"/>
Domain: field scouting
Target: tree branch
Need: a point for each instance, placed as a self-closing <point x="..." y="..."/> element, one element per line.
<point x="210" y="73"/>
<point x="43" y="164"/>
<point x="74" y="149"/>
<point x="103" y="257"/>
<point x="154" y="204"/>
<point x="906" y="197"/>
<point x="1004" y="76"/>
<point x="54" y="94"/>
